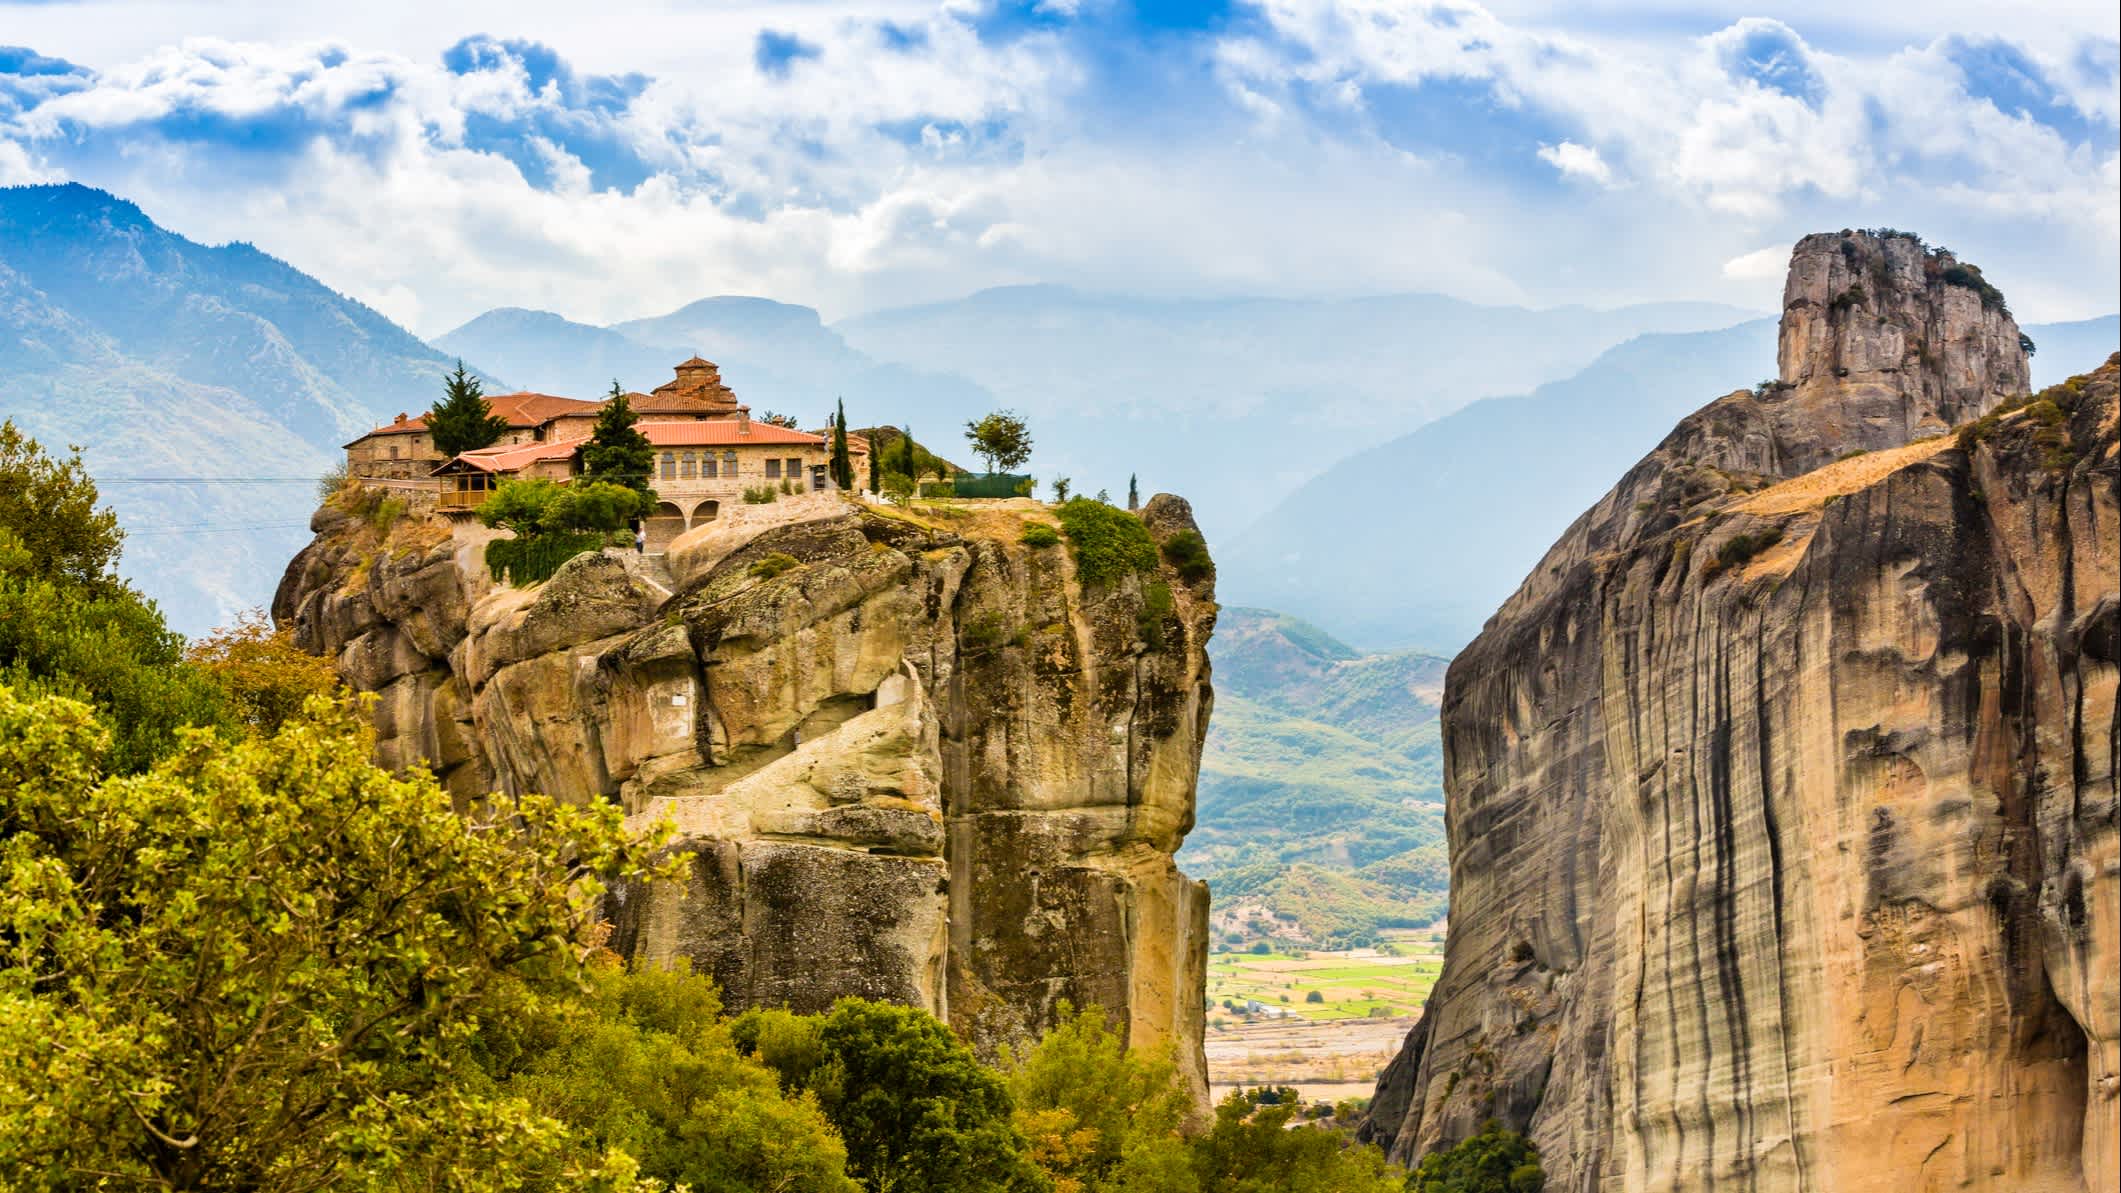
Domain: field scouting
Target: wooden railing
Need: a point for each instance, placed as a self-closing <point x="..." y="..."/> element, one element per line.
<point x="464" y="499"/>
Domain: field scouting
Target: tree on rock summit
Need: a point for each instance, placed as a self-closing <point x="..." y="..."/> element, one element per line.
<point x="617" y="453"/>
<point x="463" y="420"/>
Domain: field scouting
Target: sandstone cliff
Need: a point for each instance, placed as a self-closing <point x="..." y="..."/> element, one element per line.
<point x="1782" y="795"/>
<point x="909" y="757"/>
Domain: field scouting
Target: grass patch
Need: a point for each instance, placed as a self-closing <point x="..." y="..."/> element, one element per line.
<point x="1038" y="534"/>
<point x="772" y="564"/>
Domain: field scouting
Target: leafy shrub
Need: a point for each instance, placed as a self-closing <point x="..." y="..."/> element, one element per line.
<point x="772" y="564"/>
<point x="1109" y="543"/>
<point x="1315" y="996"/>
<point x="1969" y="277"/>
<point x="1740" y="548"/>
<point x="1497" y="1160"/>
<point x="335" y="478"/>
<point x="386" y="514"/>
<point x="761" y="495"/>
<point x="1038" y="534"/>
<point x="533" y="560"/>
<point x="898" y="488"/>
<point x="938" y="489"/>
<point x="984" y="632"/>
<point x="1853" y="296"/>
<point x="1188" y="553"/>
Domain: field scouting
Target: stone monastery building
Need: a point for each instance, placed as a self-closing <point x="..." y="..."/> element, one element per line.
<point x="708" y="450"/>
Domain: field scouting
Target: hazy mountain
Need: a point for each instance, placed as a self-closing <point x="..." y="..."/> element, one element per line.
<point x="1235" y="402"/>
<point x="2067" y="349"/>
<point x="1321" y="757"/>
<point x="775" y="355"/>
<point x="1417" y="540"/>
<point x="163" y="358"/>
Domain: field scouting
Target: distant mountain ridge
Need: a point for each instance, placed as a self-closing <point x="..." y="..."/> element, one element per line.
<point x="1321" y="785"/>
<point x="166" y="358"/>
<point x="1455" y="512"/>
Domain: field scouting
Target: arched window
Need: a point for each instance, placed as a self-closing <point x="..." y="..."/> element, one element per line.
<point x="729" y="463"/>
<point x="670" y="466"/>
<point x="707" y="464"/>
<point x="686" y="472"/>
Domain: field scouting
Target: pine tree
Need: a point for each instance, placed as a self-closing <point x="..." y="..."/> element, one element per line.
<point x="1134" y="496"/>
<point x="906" y="457"/>
<point x="876" y="451"/>
<point x="463" y="420"/>
<point x="842" y="464"/>
<point x="617" y="453"/>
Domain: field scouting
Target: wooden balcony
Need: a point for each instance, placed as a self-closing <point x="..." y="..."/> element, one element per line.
<point x="463" y="499"/>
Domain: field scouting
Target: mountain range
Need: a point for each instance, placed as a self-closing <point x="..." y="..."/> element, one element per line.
<point x="1344" y="457"/>
<point x="206" y="386"/>
<point x="1454" y="513"/>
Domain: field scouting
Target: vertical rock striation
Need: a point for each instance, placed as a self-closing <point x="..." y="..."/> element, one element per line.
<point x="1782" y="795"/>
<point x="905" y="759"/>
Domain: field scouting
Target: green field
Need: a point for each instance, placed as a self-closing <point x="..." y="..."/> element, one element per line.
<point x="1349" y="987"/>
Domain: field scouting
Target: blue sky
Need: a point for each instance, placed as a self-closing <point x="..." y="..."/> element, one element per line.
<point x="615" y="160"/>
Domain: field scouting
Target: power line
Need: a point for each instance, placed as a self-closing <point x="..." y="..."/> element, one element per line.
<point x="206" y="480"/>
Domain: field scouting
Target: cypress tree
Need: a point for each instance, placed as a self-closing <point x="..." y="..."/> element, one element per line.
<point x="1134" y="498"/>
<point x="842" y="465"/>
<point x="617" y="452"/>
<point x="876" y="450"/>
<point x="463" y="420"/>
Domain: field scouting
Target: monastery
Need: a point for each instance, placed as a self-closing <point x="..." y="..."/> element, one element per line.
<point x="709" y="450"/>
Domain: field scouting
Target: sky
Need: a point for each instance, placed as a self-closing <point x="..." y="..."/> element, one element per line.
<point x="614" y="160"/>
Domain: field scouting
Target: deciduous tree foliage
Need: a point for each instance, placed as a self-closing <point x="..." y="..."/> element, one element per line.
<point x="263" y="676"/>
<point x="1000" y="438"/>
<point x="1099" y="1118"/>
<point x="69" y="625"/>
<point x="917" y="1111"/>
<point x="1497" y="1160"/>
<point x="1251" y="1148"/>
<point x="250" y="966"/>
<point x="463" y="420"/>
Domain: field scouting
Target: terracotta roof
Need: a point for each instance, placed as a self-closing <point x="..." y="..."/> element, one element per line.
<point x="723" y="432"/>
<point x="522" y="409"/>
<point x="513" y="457"/>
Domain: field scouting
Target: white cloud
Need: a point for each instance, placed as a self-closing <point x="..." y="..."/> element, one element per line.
<point x="1577" y="161"/>
<point x="1766" y="264"/>
<point x="874" y="176"/>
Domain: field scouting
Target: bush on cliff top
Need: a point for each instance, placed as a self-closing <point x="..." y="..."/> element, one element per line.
<point x="1110" y="543"/>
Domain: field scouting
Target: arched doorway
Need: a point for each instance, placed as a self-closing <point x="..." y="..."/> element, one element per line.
<point x="706" y="511"/>
<point x="665" y="524"/>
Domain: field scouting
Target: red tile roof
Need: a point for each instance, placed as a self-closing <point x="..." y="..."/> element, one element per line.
<point x="724" y="432"/>
<point x="524" y="409"/>
<point x="513" y="457"/>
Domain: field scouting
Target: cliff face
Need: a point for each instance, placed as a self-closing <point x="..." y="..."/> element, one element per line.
<point x="1782" y="797"/>
<point x="911" y="759"/>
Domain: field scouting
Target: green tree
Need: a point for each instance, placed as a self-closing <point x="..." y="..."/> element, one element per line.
<point x="1134" y="495"/>
<point x="250" y="967"/>
<point x="909" y="461"/>
<point x="1061" y="485"/>
<point x="1497" y="1160"/>
<point x="644" y="1064"/>
<point x="536" y="506"/>
<point x="617" y="452"/>
<point x="70" y="626"/>
<point x="50" y="507"/>
<point x="1099" y="1118"/>
<point x="842" y="463"/>
<point x="463" y="420"/>
<point x="1253" y="1148"/>
<point x="876" y="460"/>
<point x="773" y="418"/>
<point x="917" y="1111"/>
<point x="264" y="677"/>
<point x="1000" y="438"/>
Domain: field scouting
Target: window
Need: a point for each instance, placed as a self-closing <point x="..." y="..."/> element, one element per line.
<point x="729" y="463"/>
<point x="707" y="464"/>
<point x="393" y="453"/>
<point x="670" y="466"/>
<point x="773" y="467"/>
<point x="689" y="467"/>
<point x="795" y="469"/>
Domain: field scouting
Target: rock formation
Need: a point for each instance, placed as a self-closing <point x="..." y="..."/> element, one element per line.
<point x="907" y="757"/>
<point x="1782" y="794"/>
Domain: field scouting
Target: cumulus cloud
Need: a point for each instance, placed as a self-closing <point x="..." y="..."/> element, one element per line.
<point x="1577" y="161"/>
<point x="851" y="159"/>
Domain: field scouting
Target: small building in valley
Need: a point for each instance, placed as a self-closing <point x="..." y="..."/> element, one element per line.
<point x="710" y="452"/>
